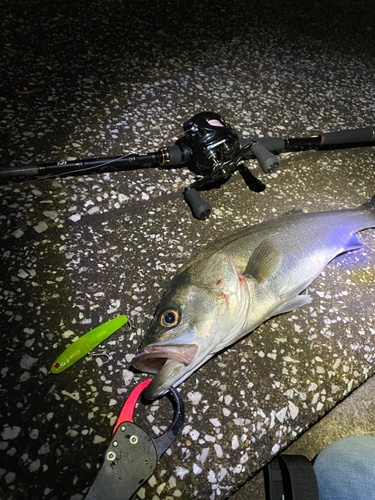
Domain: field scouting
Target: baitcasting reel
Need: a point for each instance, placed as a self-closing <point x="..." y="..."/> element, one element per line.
<point x="216" y="153"/>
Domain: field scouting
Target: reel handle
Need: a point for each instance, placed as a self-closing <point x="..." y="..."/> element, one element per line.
<point x="200" y="208"/>
<point x="268" y="161"/>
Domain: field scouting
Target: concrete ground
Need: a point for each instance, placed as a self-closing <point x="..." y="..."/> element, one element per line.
<point x="93" y="78"/>
<point x="355" y="416"/>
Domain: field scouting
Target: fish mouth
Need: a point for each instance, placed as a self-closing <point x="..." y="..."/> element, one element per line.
<point x="169" y="363"/>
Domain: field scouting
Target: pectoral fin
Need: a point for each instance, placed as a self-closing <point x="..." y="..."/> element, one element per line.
<point x="263" y="261"/>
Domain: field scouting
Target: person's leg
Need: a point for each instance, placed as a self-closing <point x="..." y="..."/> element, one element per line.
<point x="345" y="470"/>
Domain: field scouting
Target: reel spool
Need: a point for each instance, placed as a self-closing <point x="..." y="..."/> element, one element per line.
<point x="212" y="141"/>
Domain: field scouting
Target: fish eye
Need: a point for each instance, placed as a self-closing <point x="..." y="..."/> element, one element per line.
<point x="169" y="318"/>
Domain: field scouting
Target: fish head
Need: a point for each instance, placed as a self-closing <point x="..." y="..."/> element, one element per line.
<point x="189" y="324"/>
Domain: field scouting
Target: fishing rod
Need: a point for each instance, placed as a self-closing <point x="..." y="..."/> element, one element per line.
<point x="212" y="149"/>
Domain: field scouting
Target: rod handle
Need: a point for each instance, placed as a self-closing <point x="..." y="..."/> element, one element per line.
<point x="350" y="136"/>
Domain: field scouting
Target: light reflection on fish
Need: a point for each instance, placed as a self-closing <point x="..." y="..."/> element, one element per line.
<point x="238" y="282"/>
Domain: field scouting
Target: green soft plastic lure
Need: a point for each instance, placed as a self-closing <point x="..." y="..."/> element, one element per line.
<point x="86" y="343"/>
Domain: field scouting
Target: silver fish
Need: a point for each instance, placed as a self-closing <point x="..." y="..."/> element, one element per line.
<point x="238" y="282"/>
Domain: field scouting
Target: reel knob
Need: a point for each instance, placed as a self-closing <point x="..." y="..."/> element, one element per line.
<point x="200" y="208"/>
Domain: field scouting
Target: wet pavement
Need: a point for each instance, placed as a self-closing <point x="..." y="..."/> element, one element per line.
<point x="89" y="79"/>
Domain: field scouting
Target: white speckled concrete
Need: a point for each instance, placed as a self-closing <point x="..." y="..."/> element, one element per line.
<point x="104" y="78"/>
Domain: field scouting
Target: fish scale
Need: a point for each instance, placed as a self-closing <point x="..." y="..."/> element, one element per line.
<point x="239" y="281"/>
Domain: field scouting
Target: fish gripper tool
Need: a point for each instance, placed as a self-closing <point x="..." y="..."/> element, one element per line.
<point x="132" y="455"/>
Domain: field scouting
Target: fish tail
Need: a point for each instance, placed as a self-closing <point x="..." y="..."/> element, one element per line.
<point x="370" y="204"/>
